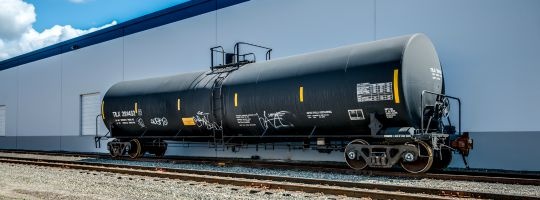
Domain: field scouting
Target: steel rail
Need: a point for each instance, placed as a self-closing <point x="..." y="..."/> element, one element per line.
<point x="487" y="177"/>
<point x="351" y="189"/>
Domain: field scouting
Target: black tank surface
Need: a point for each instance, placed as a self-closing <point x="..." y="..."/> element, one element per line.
<point x="326" y="93"/>
<point x="156" y="106"/>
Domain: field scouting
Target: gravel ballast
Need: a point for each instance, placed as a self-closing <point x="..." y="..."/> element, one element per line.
<point x="35" y="182"/>
<point x="496" y="188"/>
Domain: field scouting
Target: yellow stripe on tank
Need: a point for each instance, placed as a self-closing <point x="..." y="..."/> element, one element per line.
<point x="178" y="104"/>
<point x="396" y="86"/>
<point x="102" y="110"/>
<point x="235" y="99"/>
<point x="136" y="109"/>
<point x="301" y="94"/>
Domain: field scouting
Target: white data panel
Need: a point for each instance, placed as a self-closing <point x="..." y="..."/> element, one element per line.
<point x="2" y="120"/>
<point x="90" y="108"/>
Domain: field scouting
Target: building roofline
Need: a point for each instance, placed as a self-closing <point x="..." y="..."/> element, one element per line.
<point x="169" y="15"/>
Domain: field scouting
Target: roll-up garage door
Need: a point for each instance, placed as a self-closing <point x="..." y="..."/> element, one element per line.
<point x="2" y="120"/>
<point x="90" y="106"/>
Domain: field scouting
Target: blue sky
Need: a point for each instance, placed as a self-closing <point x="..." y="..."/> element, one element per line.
<point x="85" y="14"/>
<point x="28" y="25"/>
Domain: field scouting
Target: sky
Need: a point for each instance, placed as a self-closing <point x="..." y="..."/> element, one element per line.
<point x="27" y="25"/>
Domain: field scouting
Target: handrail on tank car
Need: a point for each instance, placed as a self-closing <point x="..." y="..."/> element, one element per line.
<point x="240" y="59"/>
<point x="214" y="49"/>
<point x="97" y="138"/>
<point x="237" y="49"/>
<point x="247" y="54"/>
<point x="439" y="95"/>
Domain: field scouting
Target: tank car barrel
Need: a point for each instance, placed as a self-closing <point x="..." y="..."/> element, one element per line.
<point x="337" y="90"/>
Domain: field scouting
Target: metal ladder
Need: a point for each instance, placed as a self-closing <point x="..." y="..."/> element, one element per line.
<point x="223" y="69"/>
<point x="217" y="111"/>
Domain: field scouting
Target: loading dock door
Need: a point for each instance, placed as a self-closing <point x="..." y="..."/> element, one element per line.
<point x="2" y="120"/>
<point x="90" y="106"/>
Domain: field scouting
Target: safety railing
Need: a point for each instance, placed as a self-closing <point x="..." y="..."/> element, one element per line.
<point x="440" y="98"/>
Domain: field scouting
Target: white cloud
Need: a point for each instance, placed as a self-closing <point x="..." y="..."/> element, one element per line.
<point x="17" y="36"/>
<point x="16" y="17"/>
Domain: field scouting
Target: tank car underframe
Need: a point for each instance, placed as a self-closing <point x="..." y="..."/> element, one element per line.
<point x="384" y="151"/>
<point x="136" y="147"/>
<point x="416" y="153"/>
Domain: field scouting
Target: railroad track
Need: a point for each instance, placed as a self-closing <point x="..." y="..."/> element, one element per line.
<point x="350" y="189"/>
<point x="520" y="179"/>
<point x="487" y="177"/>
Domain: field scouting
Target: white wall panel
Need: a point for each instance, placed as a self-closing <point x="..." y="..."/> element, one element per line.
<point x="489" y="51"/>
<point x="3" y="116"/>
<point x="294" y="27"/>
<point x="40" y="98"/>
<point x="9" y="98"/>
<point x="88" y="70"/>
<point x="182" y="46"/>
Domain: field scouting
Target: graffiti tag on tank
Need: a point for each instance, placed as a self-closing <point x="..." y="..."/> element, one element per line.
<point x="140" y="121"/>
<point x="318" y="114"/>
<point x="202" y="119"/>
<point x="366" y="92"/>
<point x="275" y="120"/>
<point x="159" y="121"/>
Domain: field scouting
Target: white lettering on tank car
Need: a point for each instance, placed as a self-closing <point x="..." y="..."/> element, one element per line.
<point x="356" y="114"/>
<point x="436" y="74"/>
<point x="124" y="121"/>
<point x="128" y="117"/>
<point x="245" y="120"/>
<point x="366" y="92"/>
<point x="127" y="113"/>
<point x="390" y="113"/>
<point x="318" y="114"/>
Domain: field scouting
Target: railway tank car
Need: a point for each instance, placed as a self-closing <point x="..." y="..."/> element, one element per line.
<point x="383" y="100"/>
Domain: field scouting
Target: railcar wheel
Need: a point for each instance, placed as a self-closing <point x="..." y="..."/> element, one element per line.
<point x="423" y="161"/>
<point x="158" y="148"/>
<point x="135" y="150"/>
<point x="160" y="151"/>
<point x="441" y="160"/>
<point x="352" y="155"/>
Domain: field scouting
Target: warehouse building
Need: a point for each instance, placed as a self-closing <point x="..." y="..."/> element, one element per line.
<point x="50" y="98"/>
